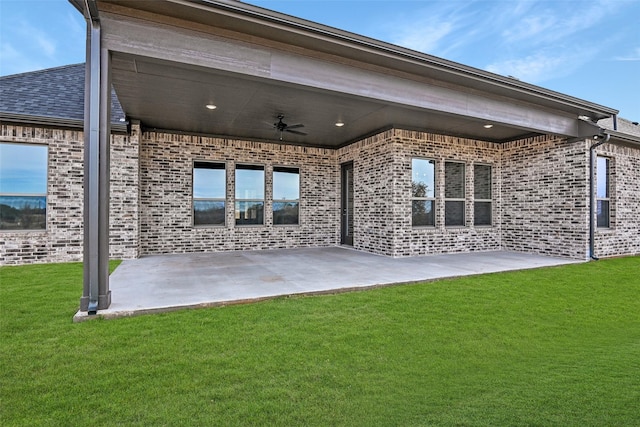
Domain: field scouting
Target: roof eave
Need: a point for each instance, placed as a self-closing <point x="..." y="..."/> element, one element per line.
<point x="57" y="122"/>
<point x="624" y="139"/>
<point x="363" y="43"/>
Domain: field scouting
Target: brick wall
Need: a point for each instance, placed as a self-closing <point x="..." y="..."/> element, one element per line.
<point x="411" y="241"/>
<point x="375" y="202"/>
<point x="539" y="187"/>
<point x="382" y="187"/>
<point x="623" y="235"/>
<point x="124" y="209"/>
<point x="63" y="239"/>
<point x="545" y="197"/>
<point x="166" y="162"/>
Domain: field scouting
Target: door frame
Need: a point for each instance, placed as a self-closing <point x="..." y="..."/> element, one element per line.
<point x="346" y="205"/>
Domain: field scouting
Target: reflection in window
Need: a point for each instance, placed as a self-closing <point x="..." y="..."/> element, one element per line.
<point x="286" y="195"/>
<point x="454" y="194"/>
<point x="481" y="195"/>
<point x="23" y="187"/>
<point x="209" y="193"/>
<point x="423" y="186"/>
<point x="602" y="192"/>
<point x="249" y="208"/>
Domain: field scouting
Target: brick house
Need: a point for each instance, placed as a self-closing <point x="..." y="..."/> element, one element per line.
<point x="230" y="127"/>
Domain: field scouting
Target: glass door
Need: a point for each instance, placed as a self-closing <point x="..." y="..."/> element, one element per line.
<point x="346" y="207"/>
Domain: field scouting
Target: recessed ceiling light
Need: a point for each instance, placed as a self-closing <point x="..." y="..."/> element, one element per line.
<point x="211" y="106"/>
<point x="488" y="126"/>
<point x="339" y="124"/>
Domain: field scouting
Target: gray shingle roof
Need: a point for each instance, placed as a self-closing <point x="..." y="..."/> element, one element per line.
<point x="54" y="93"/>
<point x="624" y="125"/>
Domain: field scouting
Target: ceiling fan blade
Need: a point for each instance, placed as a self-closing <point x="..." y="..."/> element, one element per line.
<point x="297" y="125"/>
<point x="297" y="132"/>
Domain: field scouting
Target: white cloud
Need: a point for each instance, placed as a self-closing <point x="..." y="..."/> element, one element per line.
<point x="543" y="65"/>
<point x="27" y="45"/>
<point x="549" y="40"/>
<point x="446" y="28"/>
<point x="530" y="27"/>
<point x="633" y="56"/>
<point x="75" y="24"/>
<point x="16" y="60"/>
<point x="424" y="38"/>
<point x="543" y="23"/>
<point x="530" y="69"/>
<point x="35" y="37"/>
<point x="435" y="30"/>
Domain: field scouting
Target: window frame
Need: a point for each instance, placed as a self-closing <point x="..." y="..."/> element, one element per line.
<point x="433" y="199"/>
<point x="236" y="200"/>
<point x="477" y="200"/>
<point x="607" y="197"/>
<point x="280" y="169"/>
<point x="45" y="194"/>
<point x="209" y="199"/>
<point x="462" y="199"/>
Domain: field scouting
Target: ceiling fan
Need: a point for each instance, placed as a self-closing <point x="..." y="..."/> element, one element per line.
<point x="283" y="127"/>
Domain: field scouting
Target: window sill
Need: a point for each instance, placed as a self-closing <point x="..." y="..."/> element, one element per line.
<point x="605" y="230"/>
<point x="24" y="231"/>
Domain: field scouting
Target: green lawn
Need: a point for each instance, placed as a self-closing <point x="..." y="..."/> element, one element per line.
<point x="557" y="346"/>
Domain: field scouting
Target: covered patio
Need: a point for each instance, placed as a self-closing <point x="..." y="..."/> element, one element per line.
<point x="211" y="86"/>
<point x="161" y="283"/>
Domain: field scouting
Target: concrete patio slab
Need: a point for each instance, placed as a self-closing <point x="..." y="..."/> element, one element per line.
<point x="168" y="282"/>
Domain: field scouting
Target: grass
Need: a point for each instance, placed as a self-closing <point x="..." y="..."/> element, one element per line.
<point x="556" y="346"/>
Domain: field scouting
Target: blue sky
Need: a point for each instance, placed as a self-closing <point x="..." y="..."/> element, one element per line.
<point x="589" y="49"/>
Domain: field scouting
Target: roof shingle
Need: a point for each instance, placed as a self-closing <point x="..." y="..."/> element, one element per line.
<point x="56" y="93"/>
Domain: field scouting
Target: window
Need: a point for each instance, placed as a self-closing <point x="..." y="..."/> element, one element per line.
<point x="481" y="195"/>
<point x="23" y="187"/>
<point x="602" y="192"/>
<point x="454" y="194"/>
<point x="286" y="195"/>
<point x="209" y="193"/>
<point x="423" y="192"/>
<point x="249" y="195"/>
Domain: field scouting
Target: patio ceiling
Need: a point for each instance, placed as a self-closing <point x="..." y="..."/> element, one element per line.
<point x="171" y="58"/>
<point x="168" y="95"/>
